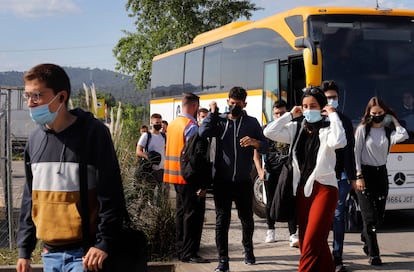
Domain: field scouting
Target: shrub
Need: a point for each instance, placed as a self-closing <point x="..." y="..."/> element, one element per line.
<point x="155" y="217"/>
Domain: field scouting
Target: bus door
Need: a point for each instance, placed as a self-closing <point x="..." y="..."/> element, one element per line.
<point x="271" y="89"/>
<point x="297" y="80"/>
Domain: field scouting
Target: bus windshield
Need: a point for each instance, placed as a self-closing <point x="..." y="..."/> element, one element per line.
<point x="368" y="56"/>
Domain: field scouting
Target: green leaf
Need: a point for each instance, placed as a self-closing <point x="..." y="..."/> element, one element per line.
<point x="165" y="25"/>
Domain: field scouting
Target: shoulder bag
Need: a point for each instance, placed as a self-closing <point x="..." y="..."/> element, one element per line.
<point x="283" y="207"/>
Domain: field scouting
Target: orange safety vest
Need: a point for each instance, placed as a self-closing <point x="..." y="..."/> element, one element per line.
<point x="173" y="149"/>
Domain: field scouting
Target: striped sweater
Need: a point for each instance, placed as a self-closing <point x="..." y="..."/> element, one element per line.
<point x="51" y="208"/>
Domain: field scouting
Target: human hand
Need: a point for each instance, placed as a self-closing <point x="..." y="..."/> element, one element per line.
<point x="359" y="184"/>
<point x="391" y="118"/>
<point x="213" y="106"/>
<point x="248" y="141"/>
<point x="261" y="173"/>
<point x="201" y="192"/>
<point x="328" y="109"/>
<point x="296" y="111"/>
<point x="23" y="265"/>
<point x="93" y="260"/>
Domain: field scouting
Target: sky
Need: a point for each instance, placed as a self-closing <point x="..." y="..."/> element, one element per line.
<point x="82" y="33"/>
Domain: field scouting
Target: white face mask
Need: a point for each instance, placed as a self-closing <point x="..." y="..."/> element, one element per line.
<point x="333" y="102"/>
<point x="312" y="116"/>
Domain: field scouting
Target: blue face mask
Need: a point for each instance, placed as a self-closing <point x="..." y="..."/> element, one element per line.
<point x="312" y="116"/>
<point x="41" y="115"/>
<point x="333" y="102"/>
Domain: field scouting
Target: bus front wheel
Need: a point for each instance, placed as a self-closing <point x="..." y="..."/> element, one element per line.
<point x="259" y="207"/>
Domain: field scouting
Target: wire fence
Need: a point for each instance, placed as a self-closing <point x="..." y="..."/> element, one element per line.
<point x="4" y="210"/>
<point x="11" y="182"/>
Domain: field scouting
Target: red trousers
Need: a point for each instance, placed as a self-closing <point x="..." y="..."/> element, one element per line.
<point x="315" y="217"/>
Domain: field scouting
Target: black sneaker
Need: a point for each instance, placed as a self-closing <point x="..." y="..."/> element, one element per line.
<point x="249" y="258"/>
<point x="223" y="266"/>
<point x="339" y="266"/>
<point x="195" y="259"/>
<point x="337" y="260"/>
<point x="376" y="260"/>
<point x="365" y="249"/>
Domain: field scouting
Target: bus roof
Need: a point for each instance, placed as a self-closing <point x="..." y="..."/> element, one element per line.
<point x="278" y="23"/>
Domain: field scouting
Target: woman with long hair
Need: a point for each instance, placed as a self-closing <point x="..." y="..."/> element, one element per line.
<point x="377" y="132"/>
<point x="314" y="178"/>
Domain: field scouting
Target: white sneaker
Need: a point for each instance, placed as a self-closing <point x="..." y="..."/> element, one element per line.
<point x="293" y="240"/>
<point x="270" y="236"/>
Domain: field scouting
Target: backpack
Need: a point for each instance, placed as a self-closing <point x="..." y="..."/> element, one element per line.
<point x="149" y="134"/>
<point x="195" y="164"/>
<point x="283" y="207"/>
<point x="144" y="168"/>
<point x="276" y="157"/>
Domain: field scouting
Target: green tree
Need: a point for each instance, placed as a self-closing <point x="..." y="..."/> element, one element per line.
<point x="79" y="100"/>
<point x="109" y="99"/>
<point x="164" y="25"/>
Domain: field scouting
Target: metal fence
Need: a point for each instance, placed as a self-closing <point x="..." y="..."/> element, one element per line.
<point x="7" y="210"/>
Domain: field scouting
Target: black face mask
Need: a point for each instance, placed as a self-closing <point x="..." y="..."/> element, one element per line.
<point x="235" y="110"/>
<point x="157" y="127"/>
<point x="378" y="118"/>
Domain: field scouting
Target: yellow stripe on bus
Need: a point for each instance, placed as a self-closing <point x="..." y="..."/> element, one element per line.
<point x="402" y="148"/>
<point x="163" y="100"/>
<point x="210" y="96"/>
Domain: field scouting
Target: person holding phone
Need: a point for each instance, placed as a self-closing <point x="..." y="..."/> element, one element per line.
<point x="378" y="131"/>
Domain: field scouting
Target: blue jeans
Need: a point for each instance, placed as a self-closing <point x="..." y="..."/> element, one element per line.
<point x="64" y="261"/>
<point x="339" y="219"/>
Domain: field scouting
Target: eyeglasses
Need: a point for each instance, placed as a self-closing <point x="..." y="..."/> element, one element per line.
<point x="34" y="96"/>
<point x="312" y="90"/>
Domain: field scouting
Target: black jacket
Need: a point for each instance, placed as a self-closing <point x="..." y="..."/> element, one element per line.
<point x="345" y="157"/>
<point x="233" y="162"/>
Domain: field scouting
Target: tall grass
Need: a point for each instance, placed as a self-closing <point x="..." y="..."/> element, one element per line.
<point x="155" y="218"/>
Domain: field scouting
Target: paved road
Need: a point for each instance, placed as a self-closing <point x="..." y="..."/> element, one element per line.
<point x="396" y="240"/>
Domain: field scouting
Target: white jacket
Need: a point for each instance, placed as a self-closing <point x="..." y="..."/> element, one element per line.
<point x="331" y="138"/>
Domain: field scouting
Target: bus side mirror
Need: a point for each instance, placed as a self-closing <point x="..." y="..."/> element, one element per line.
<point x="313" y="72"/>
<point x="308" y="43"/>
<point x="312" y="60"/>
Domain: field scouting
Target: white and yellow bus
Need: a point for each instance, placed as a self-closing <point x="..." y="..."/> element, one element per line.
<point x="367" y="51"/>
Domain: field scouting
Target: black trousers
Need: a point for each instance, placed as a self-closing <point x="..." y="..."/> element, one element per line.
<point x="189" y="220"/>
<point x="270" y="188"/>
<point x="372" y="203"/>
<point x="242" y="194"/>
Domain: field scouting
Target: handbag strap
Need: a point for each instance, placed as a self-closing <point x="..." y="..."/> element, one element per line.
<point x="149" y="135"/>
<point x="299" y="127"/>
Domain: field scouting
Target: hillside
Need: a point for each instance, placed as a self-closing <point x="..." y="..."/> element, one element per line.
<point x="105" y="82"/>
